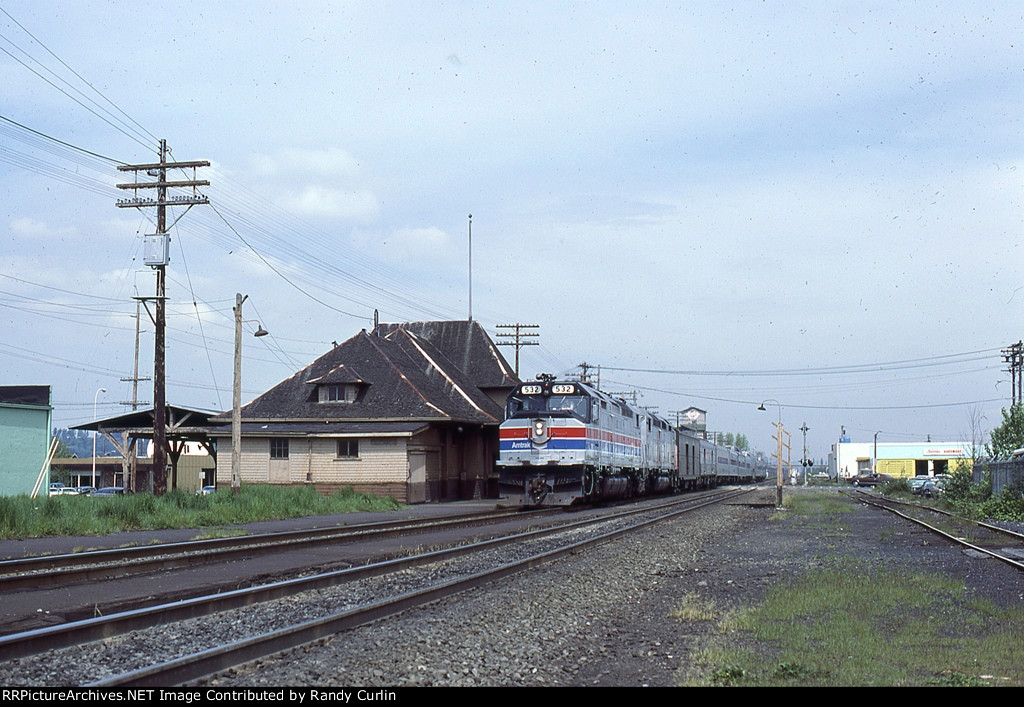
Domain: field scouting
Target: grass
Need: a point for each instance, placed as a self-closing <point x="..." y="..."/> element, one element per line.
<point x="850" y="626"/>
<point x="24" y="517"/>
<point x="855" y="624"/>
<point x="693" y="608"/>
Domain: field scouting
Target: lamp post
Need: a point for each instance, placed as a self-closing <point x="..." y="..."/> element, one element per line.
<point x="471" y="267"/>
<point x="874" y="454"/>
<point x="778" y="455"/>
<point x="94" y="399"/>
<point x="804" y="463"/>
<point x="236" y="401"/>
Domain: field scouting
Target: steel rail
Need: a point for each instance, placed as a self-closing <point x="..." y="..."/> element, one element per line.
<point x="203" y="663"/>
<point x="950" y="514"/>
<point x="959" y="541"/>
<point x="33" y="642"/>
<point x="36" y="572"/>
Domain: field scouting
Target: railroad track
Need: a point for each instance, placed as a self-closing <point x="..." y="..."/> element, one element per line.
<point x="299" y="611"/>
<point x="71" y="568"/>
<point x="1002" y="544"/>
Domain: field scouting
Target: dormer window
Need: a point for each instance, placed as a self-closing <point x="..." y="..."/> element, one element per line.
<point x="339" y="385"/>
<point x="338" y="393"/>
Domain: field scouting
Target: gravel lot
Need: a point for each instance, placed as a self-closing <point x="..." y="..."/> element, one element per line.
<point x="602" y="618"/>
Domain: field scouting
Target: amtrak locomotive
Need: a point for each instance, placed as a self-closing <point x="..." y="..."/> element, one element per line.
<point x="566" y="441"/>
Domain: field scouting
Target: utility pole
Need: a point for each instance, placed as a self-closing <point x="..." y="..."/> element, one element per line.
<point x="131" y="447"/>
<point x="236" y="397"/>
<point x="783" y="444"/>
<point x="630" y="395"/>
<point x="584" y="375"/>
<point x="236" y="401"/>
<point x="519" y="334"/>
<point x="1014" y="356"/>
<point x="157" y="255"/>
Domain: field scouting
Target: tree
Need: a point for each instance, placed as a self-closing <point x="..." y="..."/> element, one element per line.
<point x="1009" y="435"/>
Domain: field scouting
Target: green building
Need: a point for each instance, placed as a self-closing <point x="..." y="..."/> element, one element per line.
<point x="25" y="424"/>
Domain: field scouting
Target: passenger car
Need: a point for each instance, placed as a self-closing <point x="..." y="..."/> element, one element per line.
<point x="109" y="491"/>
<point x="206" y="491"/>
<point x="933" y="487"/>
<point x="916" y="482"/>
<point x="871" y="479"/>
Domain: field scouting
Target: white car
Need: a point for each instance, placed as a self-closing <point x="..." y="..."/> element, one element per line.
<point x="59" y="489"/>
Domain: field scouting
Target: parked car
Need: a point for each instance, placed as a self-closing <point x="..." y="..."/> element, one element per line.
<point x="65" y="491"/>
<point x="55" y="487"/>
<point x="86" y="490"/>
<point x="916" y="482"/>
<point x="206" y="491"/>
<point x="871" y="479"/>
<point x="933" y="487"/>
<point x="109" y="491"/>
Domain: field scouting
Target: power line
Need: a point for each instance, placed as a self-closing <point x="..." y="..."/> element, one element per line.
<point x="127" y="130"/>
<point x="823" y="370"/>
<point x="57" y="141"/>
<point x="812" y="407"/>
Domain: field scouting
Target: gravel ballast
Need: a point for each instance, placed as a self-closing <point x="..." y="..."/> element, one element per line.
<point x="603" y="617"/>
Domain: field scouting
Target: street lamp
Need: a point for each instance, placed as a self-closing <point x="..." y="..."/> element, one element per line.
<point x="236" y="403"/>
<point x="778" y="455"/>
<point x="874" y="454"/>
<point x="94" y="399"/>
<point x="805" y="463"/>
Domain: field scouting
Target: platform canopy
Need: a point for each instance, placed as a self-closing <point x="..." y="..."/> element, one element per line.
<point x="183" y="425"/>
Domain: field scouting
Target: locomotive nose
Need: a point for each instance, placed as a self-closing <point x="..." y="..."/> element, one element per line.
<point x="539" y="431"/>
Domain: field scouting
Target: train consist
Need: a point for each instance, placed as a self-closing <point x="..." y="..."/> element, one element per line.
<point x="564" y="442"/>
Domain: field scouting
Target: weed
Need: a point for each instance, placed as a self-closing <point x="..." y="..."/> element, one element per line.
<point x="855" y="624"/>
<point x="952" y="678"/>
<point x="727" y="675"/>
<point x="24" y="517"/>
<point x="694" y="608"/>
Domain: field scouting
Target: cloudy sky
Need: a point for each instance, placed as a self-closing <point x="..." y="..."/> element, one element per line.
<point x="718" y="203"/>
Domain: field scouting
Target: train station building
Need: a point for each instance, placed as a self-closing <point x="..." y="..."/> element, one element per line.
<point x="900" y="459"/>
<point x="408" y="410"/>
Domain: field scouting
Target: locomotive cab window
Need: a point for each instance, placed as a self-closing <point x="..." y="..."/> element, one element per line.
<point x="577" y="406"/>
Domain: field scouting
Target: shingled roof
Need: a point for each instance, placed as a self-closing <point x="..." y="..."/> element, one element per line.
<point x="401" y="376"/>
<point x="467" y="345"/>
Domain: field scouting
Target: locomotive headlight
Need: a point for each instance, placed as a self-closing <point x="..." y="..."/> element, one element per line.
<point x="539" y="432"/>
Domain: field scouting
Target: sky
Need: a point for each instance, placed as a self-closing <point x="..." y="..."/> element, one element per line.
<point x="817" y="205"/>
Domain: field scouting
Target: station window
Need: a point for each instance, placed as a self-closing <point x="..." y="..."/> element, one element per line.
<point x="348" y="448"/>
<point x="279" y="449"/>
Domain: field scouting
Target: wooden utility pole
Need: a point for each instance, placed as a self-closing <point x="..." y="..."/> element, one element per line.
<point x="157" y="255"/>
<point x="131" y="447"/>
<point x="584" y="374"/>
<point x="1014" y="356"/>
<point x="236" y="401"/>
<point x="519" y="334"/>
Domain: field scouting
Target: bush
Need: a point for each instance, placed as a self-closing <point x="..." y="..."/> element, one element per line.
<point x="898" y="485"/>
<point x="1009" y="505"/>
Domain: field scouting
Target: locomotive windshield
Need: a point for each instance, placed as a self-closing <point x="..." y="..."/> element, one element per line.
<point x="520" y="405"/>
